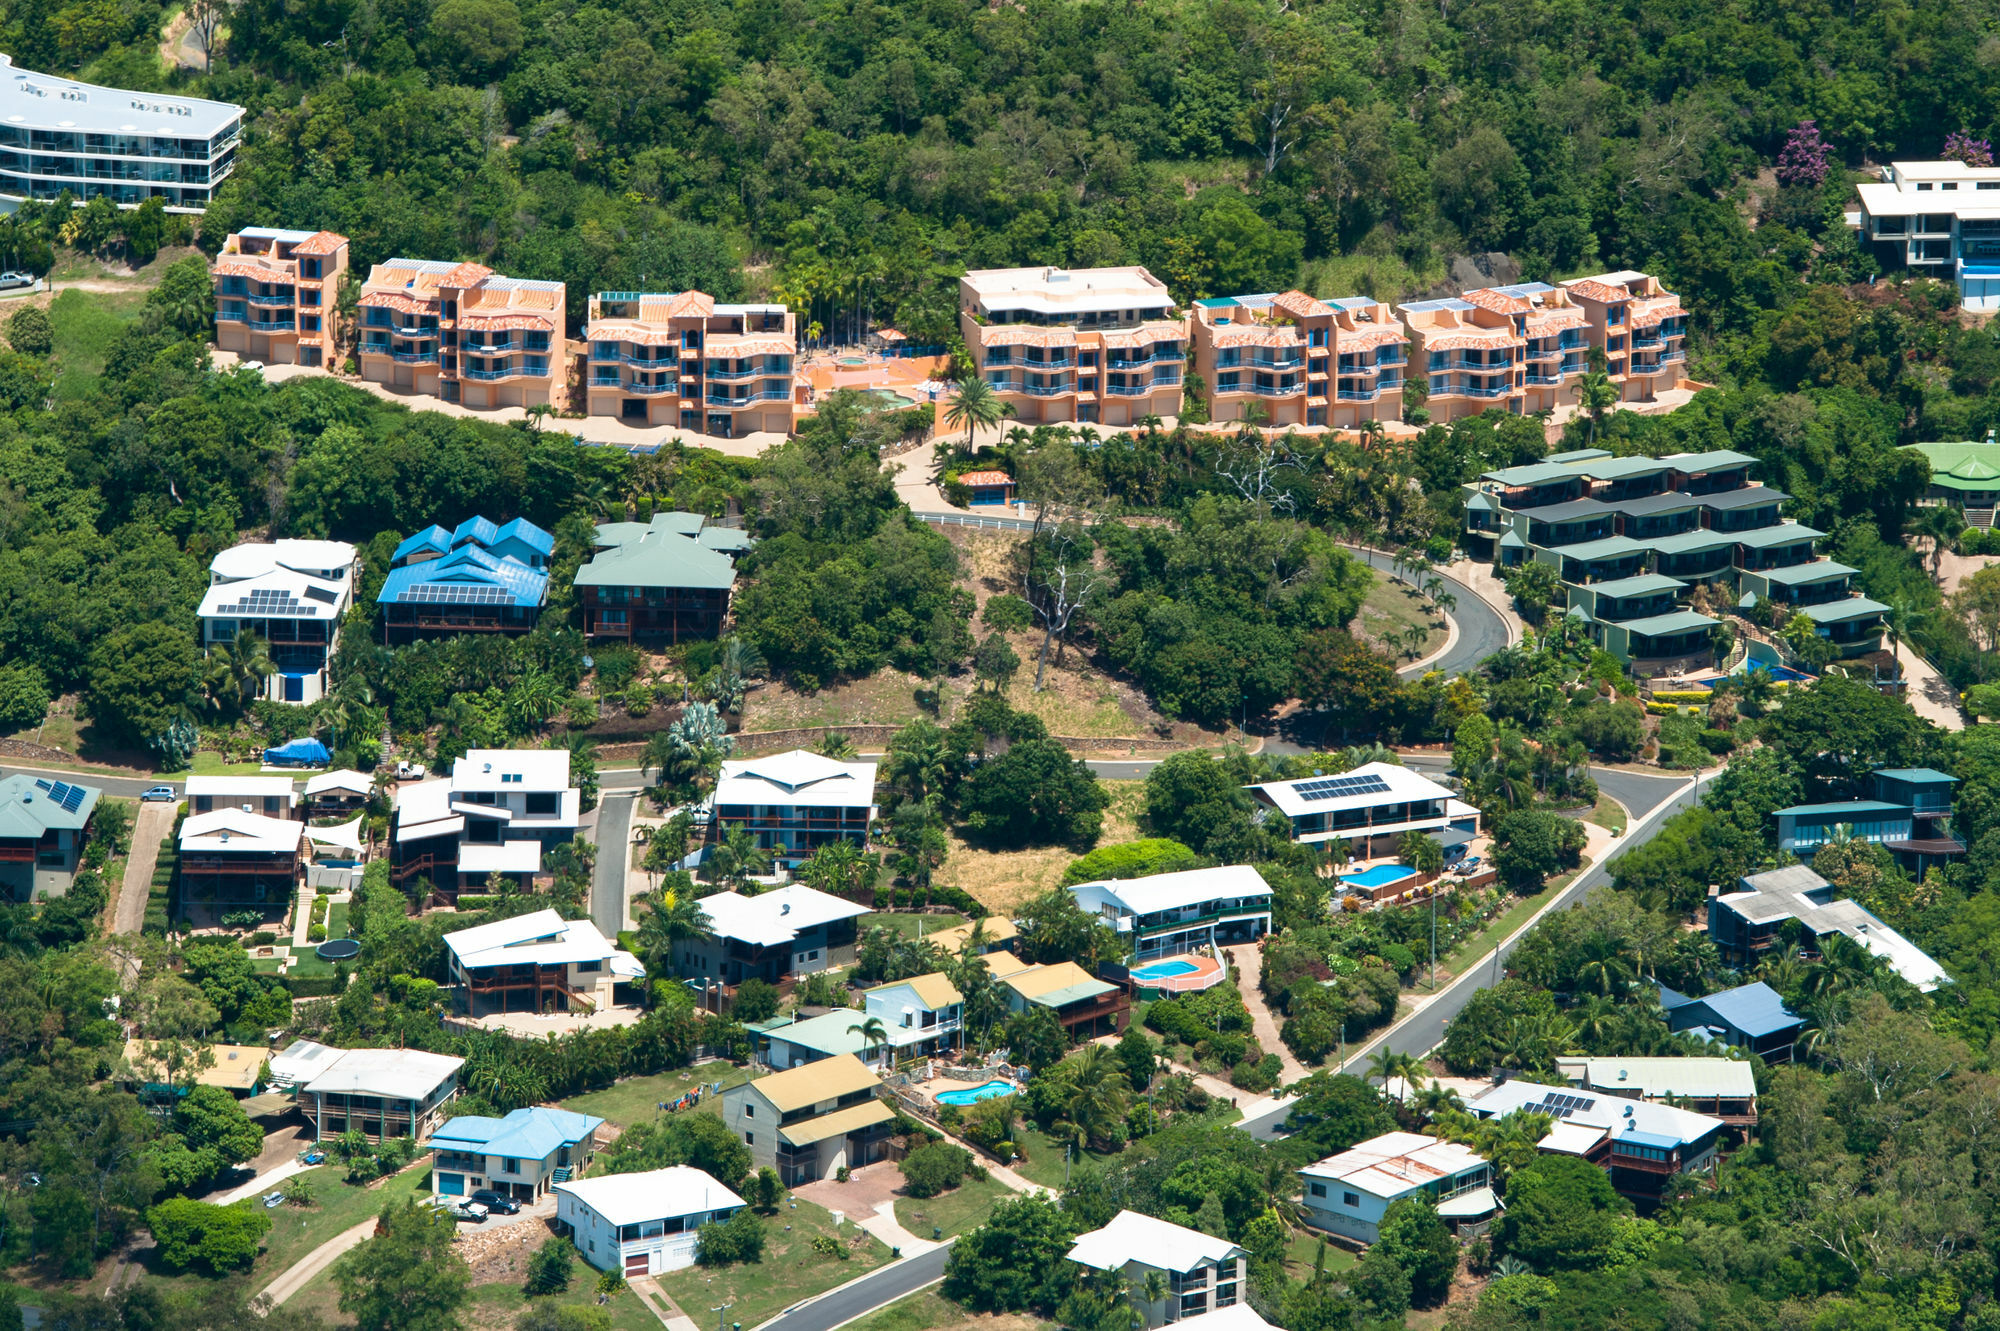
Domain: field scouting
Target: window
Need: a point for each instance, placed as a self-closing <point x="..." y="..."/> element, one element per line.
<point x="1350" y="1199"/>
<point x="1317" y="1189"/>
<point x="749" y="1139"/>
<point x="1923" y="187"/>
<point x="544" y="802"/>
<point x="510" y="1166"/>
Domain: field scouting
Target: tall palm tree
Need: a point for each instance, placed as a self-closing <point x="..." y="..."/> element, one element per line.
<point x="1943" y="525"/>
<point x="667" y="918"/>
<point x="238" y="668"/>
<point x="1595" y="396"/>
<point x="1436" y="1099"/>
<point x="737" y="858"/>
<point x="874" y="1035"/>
<point x="1386" y="1065"/>
<point x="658" y="754"/>
<point x="975" y="406"/>
<point x="1604" y="969"/>
<point x="1100" y="1093"/>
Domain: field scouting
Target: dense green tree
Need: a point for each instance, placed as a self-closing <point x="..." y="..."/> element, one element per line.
<point x="407" y="1276"/>
<point x="1034" y="794"/>
<point x="217" y="1238"/>
<point x="1015" y="1262"/>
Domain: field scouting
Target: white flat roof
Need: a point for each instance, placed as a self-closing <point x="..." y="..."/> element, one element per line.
<point x="399" y="1074"/>
<point x="257" y="557"/>
<point x="1132" y="1237"/>
<point x="657" y="1194"/>
<point x="302" y="1060"/>
<point x="774" y="917"/>
<point x="541" y="938"/>
<point x="47" y="102"/>
<point x="530" y="769"/>
<point x="1068" y="290"/>
<point x="797" y="778"/>
<point x="1168" y="891"/>
<point x="1404" y="786"/>
<point x="500" y="857"/>
<point x="246" y="787"/>
<point x="239" y="832"/>
<point x="1654" y="1077"/>
<point x="1396" y="1163"/>
<point x="346" y="781"/>
<point x="279" y="593"/>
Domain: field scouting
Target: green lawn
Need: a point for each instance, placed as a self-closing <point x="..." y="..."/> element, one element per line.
<point x="791" y="1270"/>
<point x="307" y="963"/>
<point x="1483" y="942"/>
<point x="1390" y="610"/>
<point x="928" y="1310"/>
<point x="86" y="322"/>
<point x="1608" y="814"/>
<point x="964" y="1207"/>
<point x="637" y="1099"/>
<point x="296" y="1232"/>
<point x="1303" y="1251"/>
<point x="500" y="1304"/>
<point x="910" y="925"/>
<point x="265" y="965"/>
<point x="336" y="919"/>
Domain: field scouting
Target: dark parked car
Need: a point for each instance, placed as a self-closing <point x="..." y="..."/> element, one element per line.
<point x="495" y="1201"/>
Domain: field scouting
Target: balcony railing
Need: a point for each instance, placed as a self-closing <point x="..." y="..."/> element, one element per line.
<point x="1669" y="357"/>
<point x="273" y="325"/>
<point x="1024" y="362"/>
<point x="1116" y="364"/>
<point x="754" y="372"/>
<point x="648" y="362"/>
<point x="274" y="298"/>
<point x="411" y="357"/>
<point x="1545" y="378"/>
<point x="638" y="389"/>
<point x="224" y="315"/>
<point x="504" y="372"/>
<point x="1273" y="390"/>
<point x="1477" y="366"/>
<point x="1358" y="395"/>
<point x="744" y="400"/>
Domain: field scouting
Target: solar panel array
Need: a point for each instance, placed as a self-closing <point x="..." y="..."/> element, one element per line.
<point x="70" y="797"/>
<point x="1334" y="787"/>
<point x="455" y="593"/>
<point x="268" y="601"/>
<point x="1561" y="1106"/>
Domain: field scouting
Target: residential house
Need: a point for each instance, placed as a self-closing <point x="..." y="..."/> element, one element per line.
<point x="274" y="295"/>
<point x="1369" y="807"/>
<point x="463" y="333"/>
<point x="1178" y="912"/>
<point x="1085" y="1005"/>
<point x="1201" y="1273"/>
<point x="1751" y="1017"/>
<point x="521" y="1156"/>
<point x="230" y="859"/>
<point x="1467" y="355"/>
<point x="1250" y="352"/>
<point x="1938" y="219"/>
<point x="272" y="796"/>
<point x="924" y="1014"/>
<point x="1724" y="1088"/>
<point x="292" y="594"/>
<point x="163" y="1072"/>
<point x="60" y="136"/>
<point x="642" y="1224"/>
<point x="812" y="1121"/>
<point x="339" y="794"/>
<point x="1554" y="334"/>
<point x="43" y="826"/>
<point x="1641" y="328"/>
<point x="1964" y="476"/>
<point x="538" y="962"/>
<point x="796" y="1041"/>
<point x="299" y="1062"/>
<point x="1348" y="1194"/>
<point x="1642" y="1144"/>
<point x="663" y="580"/>
<point x="680" y="359"/>
<point x="995" y="933"/>
<point x="1748" y="922"/>
<point x="773" y="936"/>
<point x="381" y="1093"/>
<point x="795" y="802"/>
<point x="1910" y="814"/>
<point x="482" y="578"/>
<point x="498" y="812"/>
<point x="1091" y="345"/>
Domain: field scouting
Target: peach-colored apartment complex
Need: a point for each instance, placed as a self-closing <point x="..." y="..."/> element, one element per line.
<point x="1305" y="361"/>
<point x="275" y="292"/>
<point x="462" y="333"/>
<point x="1641" y="327"/>
<point x="680" y="359"/>
<point x="1552" y="329"/>
<point x="1469" y="354"/>
<point x="1098" y="345"/>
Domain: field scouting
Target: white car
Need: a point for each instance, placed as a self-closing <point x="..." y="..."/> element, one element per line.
<point x="409" y="771"/>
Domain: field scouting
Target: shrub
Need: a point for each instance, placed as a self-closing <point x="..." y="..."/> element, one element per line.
<point x="1718" y="742"/>
<point x="24" y="692"/>
<point x="262" y="938"/>
<point x="938" y="1167"/>
<point x="31" y="332"/>
<point x="549" y="1269"/>
<point x="737" y="1239"/>
<point x="756" y="1000"/>
<point x="220" y="1238"/>
<point x="1007" y="613"/>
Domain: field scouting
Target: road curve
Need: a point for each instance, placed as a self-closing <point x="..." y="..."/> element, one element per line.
<point x="1481" y="630"/>
<point x="864" y="1295"/>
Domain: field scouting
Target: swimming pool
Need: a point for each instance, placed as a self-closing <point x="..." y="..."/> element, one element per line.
<point x="1380" y="876"/>
<point x="1165" y="970"/>
<point x="853" y="360"/>
<point x="972" y="1095"/>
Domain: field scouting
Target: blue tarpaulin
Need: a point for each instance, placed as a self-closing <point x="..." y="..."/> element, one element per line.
<point x="299" y="753"/>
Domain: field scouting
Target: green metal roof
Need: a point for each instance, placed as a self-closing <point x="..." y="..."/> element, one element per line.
<point x="1579" y="455"/>
<point x="1617" y="469"/>
<point x="1804" y="575"/>
<point x="1714" y="460"/>
<point x="1972" y="465"/>
<point x="1512" y="541"/>
<point x="1608" y="548"/>
<point x="1837" y="808"/>
<point x="1785" y="533"/>
<point x="1839" y="612"/>
<point x="827" y="1032"/>
<point x="1074" y="993"/>
<point x="31" y="805"/>
<point x="1689" y="542"/>
<point x="1678" y="621"/>
<point x="1641" y="585"/>
<point x="1914" y="774"/>
<point x="656" y="554"/>
<point x="1579" y="613"/>
<point x="1537" y="473"/>
<point x="1483" y="501"/>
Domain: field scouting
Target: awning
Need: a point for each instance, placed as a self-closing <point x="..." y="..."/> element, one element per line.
<point x="1469" y="1205"/>
<point x="837" y="1124"/>
<point x="500" y="857"/>
<point x="424" y="831"/>
<point x="1451" y="836"/>
<point x="627" y="965"/>
<point x="347" y="835"/>
<point x="267" y="1105"/>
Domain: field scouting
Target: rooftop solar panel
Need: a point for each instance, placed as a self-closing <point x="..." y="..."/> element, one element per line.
<point x="1336" y="787"/>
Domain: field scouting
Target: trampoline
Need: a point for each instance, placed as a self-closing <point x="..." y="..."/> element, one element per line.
<point x="338" y="949"/>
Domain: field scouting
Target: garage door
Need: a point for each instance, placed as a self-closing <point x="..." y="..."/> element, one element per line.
<point x="636" y="1263"/>
<point x="451" y="1185"/>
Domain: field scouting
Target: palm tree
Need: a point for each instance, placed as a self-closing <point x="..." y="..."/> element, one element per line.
<point x="1596" y="396"/>
<point x="1100" y="1093"/>
<point x="667" y="918"/>
<point x="975" y="406"/>
<point x="1604" y="969"/>
<point x="658" y="754"/>
<point x="737" y="858"/>
<point x="873" y="1035"/>
<point x="1386" y="1065"/>
<point x="1943" y="525"/>
<point x="1436" y="1099"/>
<point x="238" y="668"/>
<point x="1596" y="1018"/>
<point x="1902" y="618"/>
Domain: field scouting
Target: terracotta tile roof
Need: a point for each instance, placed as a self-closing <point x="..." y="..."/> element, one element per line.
<point x="1366" y="338"/>
<point x="636" y="334"/>
<point x="1126" y="338"/>
<point x="698" y="304"/>
<point x="1013" y="335"/>
<point x="1300" y="305"/>
<point x="397" y="300"/>
<point x="890" y="335"/>
<point x="259" y="270"/>
<point x="466" y="275"/>
<point x="498" y="322"/>
<point x="1555" y="321"/>
<point x="320" y="242"/>
<point x="985" y="478"/>
<point x="1469" y="337"/>
<point x="1252" y="336"/>
<point x="747" y="344"/>
<point x="1497" y="301"/>
<point x="1655" y="308"/>
<point x="1598" y="291"/>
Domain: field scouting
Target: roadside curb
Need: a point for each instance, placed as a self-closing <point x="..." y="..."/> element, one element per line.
<point x="864" y="1276"/>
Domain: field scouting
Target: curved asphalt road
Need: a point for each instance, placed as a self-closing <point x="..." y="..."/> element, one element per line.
<point x="1481" y="630"/>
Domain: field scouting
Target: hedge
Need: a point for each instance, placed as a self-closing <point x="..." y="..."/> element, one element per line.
<point x="1699" y="697"/>
<point x="313" y="986"/>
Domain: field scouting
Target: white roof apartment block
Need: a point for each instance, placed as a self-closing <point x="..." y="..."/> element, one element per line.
<point x="1393" y="784"/>
<point x="503" y="771"/>
<point x="656" y="1194"/>
<point x="774" y="917"/>
<point x="1174" y="891"/>
<point x="1396" y="1163"/>
<point x="1584" y="1118"/>
<point x="45" y="101"/>
<point x="232" y="831"/>
<point x="1132" y="1237"/>
<point x="542" y="938"/>
<point x="796" y="778"/>
<point x="395" y="1074"/>
<point x="1064" y="291"/>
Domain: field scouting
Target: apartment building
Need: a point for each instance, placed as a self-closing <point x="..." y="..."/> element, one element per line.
<point x="680" y="359"/>
<point x="1631" y="537"/>
<point x="58" y="134"/>
<point x="1467" y="355"/>
<point x="1250" y="351"/>
<point x="1090" y="345"/>
<point x="1939" y="218"/>
<point x="497" y="813"/>
<point x="291" y="594"/>
<point x="1641" y="327"/>
<point x="1554" y="337"/>
<point x="1177" y="912"/>
<point x="462" y="333"/>
<point x="1202" y="1275"/>
<point x="275" y="292"/>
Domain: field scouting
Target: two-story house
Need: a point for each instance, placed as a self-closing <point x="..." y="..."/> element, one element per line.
<point x="43" y="825"/>
<point x="1369" y="807"/>
<point x="1202" y="1274"/>
<point x="230" y="859"/>
<point x="274" y="295"/>
<point x="659" y="581"/>
<point x="1937" y="219"/>
<point x="1641" y="1144"/>
<point x="1348" y="1194"/>
<point x="497" y="813"/>
<point x="773" y="936"/>
<point x="290" y="593"/>
<point x="1096" y="345"/>
<point x="795" y="802"/>
<point x="1749" y="922"/>
<point x="481" y="578"/>
<point x="812" y="1121"/>
<point x="272" y="796"/>
<point x="1752" y="1017"/>
<point x="924" y="1014"/>
<point x="1910" y="813"/>
<point x="381" y="1093"/>
<point x="462" y="333"/>
<point x="1083" y="1004"/>
<point x="642" y="1224"/>
<point x="1725" y="1088"/>
<point x="537" y="962"/>
<point x="521" y="1156"/>
<point x="680" y="359"/>
<point x="1176" y="912"/>
<point x="1641" y="328"/>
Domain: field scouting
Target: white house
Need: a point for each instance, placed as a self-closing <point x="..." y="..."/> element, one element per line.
<point x="793" y="803"/>
<point x="772" y="936"/>
<point x="1348" y="1194"/>
<point x="1641" y="1144"/>
<point x="1175" y="912"/>
<point x="1940" y="218"/>
<point x="1370" y="807"/>
<point x="642" y="1224"/>
<point x="498" y="812"/>
<point x="1204" y="1275"/>
<point x="291" y="594"/>
<point x="923" y="1014"/>
<point x="537" y="962"/>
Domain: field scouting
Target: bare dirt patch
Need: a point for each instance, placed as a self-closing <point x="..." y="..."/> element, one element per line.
<point x="1002" y="880"/>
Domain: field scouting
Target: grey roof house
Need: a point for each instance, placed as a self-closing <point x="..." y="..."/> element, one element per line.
<point x="1751" y="1016"/>
<point x="43" y="823"/>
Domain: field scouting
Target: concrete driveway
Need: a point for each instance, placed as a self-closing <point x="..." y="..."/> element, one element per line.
<point x="151" y="827"/>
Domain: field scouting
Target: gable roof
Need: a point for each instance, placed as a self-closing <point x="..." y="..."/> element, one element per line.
<point x="656" y="1194"/>
<point x="1291" y="799"/>
<point x="1755" y="1008"/>
<point x="1132" y="1237"/>
<point x="774" y="917"/>
<point x="828" y="1033"/>
<point x="828" y="1079"/>
<point x="1056" y="985"/>
<point x="661" y="553"/>
<point x="1396" y="1163"/>
<point x="798" y="778"/>
<point x="1698" y="1075"/>
<point x="934" y="990"/>
<point x="232" y="830"/>
<point x="541" y="938"/>
<point x="1599" y="1114"/>
<point x="997" y="929"/>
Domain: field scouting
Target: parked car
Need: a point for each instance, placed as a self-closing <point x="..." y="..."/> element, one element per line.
<point x="471" y="1212"/>
<point x="12" y="279"/>
<point x="273" y="1199"/>
<point x="159" y="794"/>
<point x="496" y="1201"/>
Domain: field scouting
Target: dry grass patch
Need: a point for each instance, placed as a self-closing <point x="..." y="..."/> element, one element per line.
<point x="1002" y="880"/>
<point x="1389" y="611"/>
<point x="885" y="698"/>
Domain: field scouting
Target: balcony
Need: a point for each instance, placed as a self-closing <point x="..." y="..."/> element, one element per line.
<point x="226" y="315"/>
<point x="410" y="357"/>
<point x="1033" y="390"/>
<point x="1545" y="379"/>
<point x="1274" y="390"/>
<point x="1025" y="363"/>
<point x="1158" y="356"/>
<point x="274" y="298"/>
<point x="503" y="372"/>
<point x="1476" y="366"/>
<point x="723" y="400"/>
<point x="1670" y="357"/>
<point x="1651" y="339"/>
<point x="273" y="325"/>
<point x="732" y="376"/>
<point x="1358" y="394"/>
<point x="638" y="389"/>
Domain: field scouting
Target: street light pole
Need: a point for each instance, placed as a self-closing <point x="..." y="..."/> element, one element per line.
<point x="721" y="1324"/>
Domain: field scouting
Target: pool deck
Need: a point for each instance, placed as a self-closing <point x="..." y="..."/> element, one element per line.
<point x="1207" y="973"/>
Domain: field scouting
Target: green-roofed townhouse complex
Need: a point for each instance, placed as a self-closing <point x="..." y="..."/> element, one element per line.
<point x="1965" y="475"/>
<point x="662" y="580"/>
<point x="1631" y="537"/>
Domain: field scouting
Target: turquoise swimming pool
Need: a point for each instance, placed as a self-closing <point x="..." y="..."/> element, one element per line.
<point x="1165" y="970"/>
<point x="1380" y="876"/>
<point x="972" y="1095"/>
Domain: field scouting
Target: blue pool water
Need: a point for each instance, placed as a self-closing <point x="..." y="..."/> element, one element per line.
<point x="1380" y="876"/>
<point x="974" y="1094"/>
<point x="1165" y="970"/>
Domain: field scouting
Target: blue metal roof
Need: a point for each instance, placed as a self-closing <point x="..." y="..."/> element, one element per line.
<point x="1755" y="1009"/>
<point x="476" y="529"/>
<point x="528" y="534"/>
<point x="433" y="537"/>
<point x="525" y="1134"/>
<point x="1652" y="1139"/>
<point x="466" y="576"/>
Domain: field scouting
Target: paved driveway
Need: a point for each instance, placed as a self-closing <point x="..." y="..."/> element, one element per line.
<point x="152" y="825"/>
